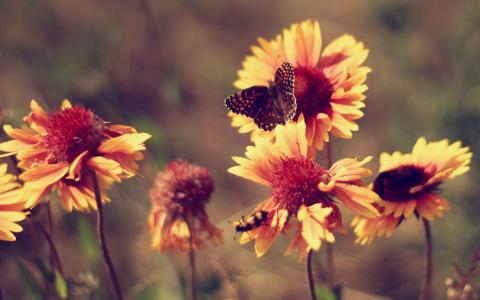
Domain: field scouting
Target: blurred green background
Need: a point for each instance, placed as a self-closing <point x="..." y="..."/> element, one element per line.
<point x="166" y="66"/>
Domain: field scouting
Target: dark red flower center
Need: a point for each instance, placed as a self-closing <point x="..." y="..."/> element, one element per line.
<point x="295" y="182"/>
<point x="394" y="185"/>
<point x="183" y="186"/>
<point x="71" y="132"/>
<point x="313" y="92"/>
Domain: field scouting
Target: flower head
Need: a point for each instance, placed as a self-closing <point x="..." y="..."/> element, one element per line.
<point x="59" y="150"/>
<point x="302" y="192"/>
<point x="179" y="196"/>
<point x="329" y="83"/>
<point x="408" y="184"/>
<point x="10" y="205"/>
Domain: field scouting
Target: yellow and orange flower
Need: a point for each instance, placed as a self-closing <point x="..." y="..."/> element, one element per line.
<point x="329" y="83"/>
<point x="10" y="205"/>
<point x="302" y="192"/>
<point x="179" y="196"/>
<point x="408" y="184"/>
<point x="60" y="150"/>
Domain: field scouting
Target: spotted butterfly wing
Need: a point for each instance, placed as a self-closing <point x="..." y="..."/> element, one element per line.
<point x="285" y="77"/>
<point x="268" y="106"/>
<point x="269" y="115"/>
<point x="247" y="101"/>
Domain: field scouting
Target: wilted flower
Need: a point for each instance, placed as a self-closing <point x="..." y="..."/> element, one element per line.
<point x="329" y="83"/>
<point x="60" y="150"/>
<point x="408" y="184"/>
<point x="179" y="197"/>
<point x="10" y="205"/>
<point x="302" y="191"/>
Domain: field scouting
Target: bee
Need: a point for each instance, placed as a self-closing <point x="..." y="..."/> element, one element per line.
<point x="251" y="222"/>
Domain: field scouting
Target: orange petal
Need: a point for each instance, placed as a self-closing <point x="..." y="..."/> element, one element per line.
<point x="105" y="166"/>
<point x="75" y="167"/>
<point x="314" y="227"/>
<point x="125" y="144"/>
<point x="45" y="174"/>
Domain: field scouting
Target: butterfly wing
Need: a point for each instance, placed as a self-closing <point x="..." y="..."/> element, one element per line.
<point x="285" y="86"/>
<point x="288" y="105"/>
<point x="268" y="115"/>
<point x="247" y="101"/>
<point x="268" y="106"/>
<point x="285" y="78"/>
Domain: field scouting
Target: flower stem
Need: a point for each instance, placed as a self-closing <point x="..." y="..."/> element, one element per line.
<point x="330" y="266"/>
<point x="193" y="284"/>
<point x="102" y="239"/>
<point x="53" y="249"/>
<point x="329" y="246"/>
<point x="427" y="284"/>
<point x="308" y="270"/>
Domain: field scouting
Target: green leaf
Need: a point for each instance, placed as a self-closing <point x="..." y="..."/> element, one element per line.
<point x="61" y="285"/>
<point x="88" y="240"/>
<point x="28" y="280"/>
<point x="324" y="293"/>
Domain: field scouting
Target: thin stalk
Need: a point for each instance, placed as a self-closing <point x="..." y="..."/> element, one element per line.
<point x="309" y="271"/>
<point x="102" y="239"/>
<point x="425" y="294"/>
<point x="53" y="249"/>
<point x="330" y="266"/>
<point x="193" y="283"/>
<point x="49" y="237"/>
<point x="329" y="246"/>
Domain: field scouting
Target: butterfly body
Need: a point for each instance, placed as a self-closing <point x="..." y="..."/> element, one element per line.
<point x="269" y="105"/>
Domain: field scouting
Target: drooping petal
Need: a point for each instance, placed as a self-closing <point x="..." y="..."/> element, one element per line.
<point x="314" y="226"/>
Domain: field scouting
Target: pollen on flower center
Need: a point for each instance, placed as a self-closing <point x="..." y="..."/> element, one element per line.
<point x="313" y="92"/>
<point x="183" y="186"/>
<point x="71" y="132"/>
<point x="394" y="185"/>
<point x="295" y="182"/>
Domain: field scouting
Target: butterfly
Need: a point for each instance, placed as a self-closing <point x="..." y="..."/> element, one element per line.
<point x="269" y="105"/>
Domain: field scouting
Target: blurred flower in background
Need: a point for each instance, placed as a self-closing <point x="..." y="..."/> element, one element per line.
<point x="409" y="184"/>
<point x="10" y="205"/>
<point x="329" y="83"/>
<point x="301" y="190"/>
<point x="465" y="284"/>
<point x="59" y="150"/>
<point x="179" y="197"/>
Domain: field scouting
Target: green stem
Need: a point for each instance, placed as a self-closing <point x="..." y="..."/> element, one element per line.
<point x="425" y="294"/>
<point x="53" y="249"/>
<point x="309" y="271"/>
<point x="329" y="246"/>
<point x="102" y="239"/>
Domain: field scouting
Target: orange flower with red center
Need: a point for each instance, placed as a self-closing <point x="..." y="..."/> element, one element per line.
<point x="301" y="191"/>
<point x="408" y="184"/>
<point x="60" y="150"/>
<point x="329" y="83"/>
<point x="10" y="205"/>
<point x="179" y="196"/>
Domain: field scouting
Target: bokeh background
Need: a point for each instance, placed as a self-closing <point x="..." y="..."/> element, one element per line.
<point x="166" y="66"/>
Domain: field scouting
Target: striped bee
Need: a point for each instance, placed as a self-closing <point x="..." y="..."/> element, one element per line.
<point x="251" y="222"/>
